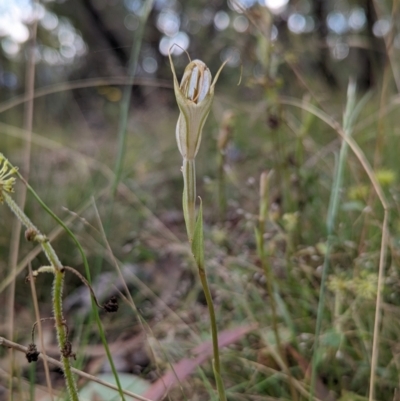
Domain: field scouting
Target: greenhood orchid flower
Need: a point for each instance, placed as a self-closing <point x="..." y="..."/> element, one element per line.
<point x="194" y="97"/>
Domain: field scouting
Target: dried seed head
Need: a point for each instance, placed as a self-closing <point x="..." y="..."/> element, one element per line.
<point x="67" y="350"/>
<point x="32" y="353"/>
<point x="111" y="305"/>
<point x="30" y="234"/>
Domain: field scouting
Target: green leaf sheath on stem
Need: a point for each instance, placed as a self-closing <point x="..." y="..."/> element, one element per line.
<point x="198" y="239"/>
<point x="198" y="253"/>
<point x="189" y="196"/>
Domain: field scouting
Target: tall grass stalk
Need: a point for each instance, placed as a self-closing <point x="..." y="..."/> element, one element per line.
<point x="39" y="326"/>
<point x="126" y="94"/>
<point x="330" y="223"/>
<point x="382" y="198"/>
<point x="16" y="228"/>
<point x="351" y="113"/>
<point x="260" y="230"/>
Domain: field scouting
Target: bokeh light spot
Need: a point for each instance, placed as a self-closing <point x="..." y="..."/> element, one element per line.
<point x="150" y="65"/>
<point x="49" y="21"/>
<point x="131" y="22"/>
<point x="168" y="23"/>
<point x="181" y="39"/>
<point x="240" y="23"/>
<point x="276" y="6"/>
<point x="10" y="47"/>
<point x="337" y="22"/>
<point x="221" y="20"/>
<point x="232" y="54"/>
<point x="357" y="19"/>
<point x="381" y="28"/>
<point x="297" y="23"/>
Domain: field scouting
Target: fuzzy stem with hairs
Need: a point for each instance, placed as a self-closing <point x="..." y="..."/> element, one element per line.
<point x="56" y="292"/>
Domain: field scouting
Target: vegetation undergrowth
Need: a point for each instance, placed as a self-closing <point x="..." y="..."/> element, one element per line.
<point x="296" y="238"/>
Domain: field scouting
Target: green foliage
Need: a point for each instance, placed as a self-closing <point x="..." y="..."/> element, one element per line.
<point x="320" y="209"/>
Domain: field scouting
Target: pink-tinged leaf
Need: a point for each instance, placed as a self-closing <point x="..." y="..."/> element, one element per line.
<point x="184" y="368"/>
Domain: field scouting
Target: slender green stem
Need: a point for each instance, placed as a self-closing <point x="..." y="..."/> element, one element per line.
<point x="198" y="253"/>
<point x="214" y="333"/>
<point x="56" y="293"/>
<point x="351" y="113"/>
<point x="126" y="95"/>
<point x="269" y="277"/>
<point x="270" y="280"/>
<point x="61" y="333"/>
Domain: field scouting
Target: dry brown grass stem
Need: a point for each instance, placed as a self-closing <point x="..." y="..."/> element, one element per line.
<point x="21" y="195"/>
<point x="389" y="38"/>
<point x="86" y="83"/>
<point x="18" y="347"/>
<point x="40" y="333"/>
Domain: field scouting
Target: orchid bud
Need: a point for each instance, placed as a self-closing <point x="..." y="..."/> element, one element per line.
<point x="194" y="97"/>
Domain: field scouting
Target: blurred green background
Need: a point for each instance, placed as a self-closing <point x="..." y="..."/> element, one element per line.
<point x="279" y="107"/>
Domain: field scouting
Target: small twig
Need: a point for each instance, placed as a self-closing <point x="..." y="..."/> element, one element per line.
<point x="36" y="308"/>
<point x="109" y="306"/>
<point x="44" y="319"/>
<point x="9" y="344"/>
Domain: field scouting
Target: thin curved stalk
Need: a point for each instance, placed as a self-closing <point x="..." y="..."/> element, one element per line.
<point x="18" y="347"/>
<point x="56" y="293"/>
<point x="264" y="202"/>
<point x="16" y="227"/>
<point x="126" y="95"/>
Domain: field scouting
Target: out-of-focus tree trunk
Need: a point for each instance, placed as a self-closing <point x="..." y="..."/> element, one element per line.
<point x="323" y="54"/>
<point x="367" y="56"/>
<point x="115" y="45"/>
